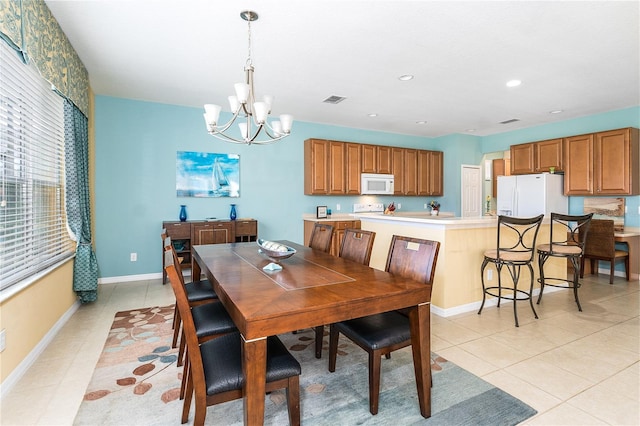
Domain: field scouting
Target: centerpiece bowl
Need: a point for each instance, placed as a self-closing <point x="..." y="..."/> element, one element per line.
<point x="275" y="251"/>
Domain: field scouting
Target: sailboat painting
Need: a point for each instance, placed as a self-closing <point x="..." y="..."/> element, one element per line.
<point x="203" y="174"/>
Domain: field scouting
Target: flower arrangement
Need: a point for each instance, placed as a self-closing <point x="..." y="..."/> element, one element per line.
<point x="434" y="205"/>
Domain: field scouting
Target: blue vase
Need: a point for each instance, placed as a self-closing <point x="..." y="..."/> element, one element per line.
<point x="183" y="213"/>
<point x="232" y="214"/>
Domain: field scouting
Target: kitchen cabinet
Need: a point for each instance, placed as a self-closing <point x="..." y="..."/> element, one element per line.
<point x="316" y="174"/>
<point x="369" y="159"/>
<point x="339" y="227"/>
<point x="376" y="159"/>
<point x="499" y="167"/>
<point x="352" y="152"/>
<point x="334" y="168"/>
<point x="537" y="157"/>
<point x="185" y="235"/>
<point x="603" y="163"/>
<point x="324" y="167"/>
<point x="410" y="171"/>
<point x="385" y="159"/>
<point x="397" y="169"/>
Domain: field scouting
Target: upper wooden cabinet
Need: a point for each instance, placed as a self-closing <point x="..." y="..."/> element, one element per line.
<point x="397" y="170"/>
<point x="537" y="157"/>
<point x="324" y="167"/>
<point x="603" y="163"/>
<point x="410" y="172"/>
<point x="500" y="167"/>
<point x="376" y="159"/>
<point x="352" y="152"/>
<point x="334" y="168"/>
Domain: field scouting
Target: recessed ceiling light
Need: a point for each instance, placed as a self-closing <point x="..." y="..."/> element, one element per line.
<point x="373" y="114"/>
<point x="513" y="83"/>
<point x="471" y="130"/>
<point x="421" y="122"/>
<point x="556" y="111"/>
<point x="405" y="77"/>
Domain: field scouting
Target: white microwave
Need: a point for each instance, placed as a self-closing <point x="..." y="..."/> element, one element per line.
<point x="376" y="184"/>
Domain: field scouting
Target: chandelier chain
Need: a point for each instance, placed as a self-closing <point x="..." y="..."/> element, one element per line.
<point x="249" y="62"/>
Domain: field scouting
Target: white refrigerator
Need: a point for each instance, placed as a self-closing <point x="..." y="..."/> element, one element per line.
<point x="531" y="195"/>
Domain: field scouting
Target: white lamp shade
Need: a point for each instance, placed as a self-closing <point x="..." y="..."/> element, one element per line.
<point x="287" y="122"/>
<point x="234" y="104"/>
<point x="268" y="99"/>
<point x="243" y="130"/>
<point x="212" y="113"/>
<point x="242" y="92"/>
<point x="260" y="110"/>
<point x="277" y="127"/>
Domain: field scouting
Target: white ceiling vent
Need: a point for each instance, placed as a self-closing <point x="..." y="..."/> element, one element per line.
<point x="334" y="99"/>
<point x="513" y="120"/>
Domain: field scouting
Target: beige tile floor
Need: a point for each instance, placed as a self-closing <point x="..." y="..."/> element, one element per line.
<point x="573" y="368"/>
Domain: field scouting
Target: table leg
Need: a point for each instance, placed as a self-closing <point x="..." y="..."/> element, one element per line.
<point x="195" y="270"/>
<point x="420" y="320"/>
<point x="254" y="367"/>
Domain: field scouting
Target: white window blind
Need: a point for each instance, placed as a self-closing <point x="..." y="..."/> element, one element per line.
<point x="33" y="230"/>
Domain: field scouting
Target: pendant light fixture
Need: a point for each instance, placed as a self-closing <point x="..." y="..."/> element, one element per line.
<point x="250" y="113"/>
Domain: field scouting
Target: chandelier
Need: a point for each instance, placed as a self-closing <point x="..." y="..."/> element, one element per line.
<point x="251" y="114"/>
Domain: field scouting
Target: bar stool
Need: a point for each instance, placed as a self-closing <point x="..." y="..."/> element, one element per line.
<point x="573" y="236"/>
<point x="516" y="242"/>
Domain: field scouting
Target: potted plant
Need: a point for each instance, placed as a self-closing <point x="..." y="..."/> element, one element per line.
<point x="435" y="207"/>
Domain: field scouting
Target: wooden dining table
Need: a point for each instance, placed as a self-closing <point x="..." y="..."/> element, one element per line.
<point x="313" y="288"/>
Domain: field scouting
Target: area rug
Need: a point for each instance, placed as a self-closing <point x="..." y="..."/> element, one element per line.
<point x="136" y="382"/>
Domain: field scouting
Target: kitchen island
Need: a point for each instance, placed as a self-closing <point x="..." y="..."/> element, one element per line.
<point x="457" y="286"/>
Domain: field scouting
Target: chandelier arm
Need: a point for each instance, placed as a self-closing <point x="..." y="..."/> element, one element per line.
<point x="224" y="127"/>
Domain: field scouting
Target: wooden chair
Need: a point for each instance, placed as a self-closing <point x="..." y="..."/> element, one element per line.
<point x="515" y="247"/>
<point x="211" y="320"/>
<point x="198" y="293"/>
<point x="356" y="246"/>
<point x="215" y="374"/>
<point x="570" y="235"/>
<point x="601" y="245"/>
<point x="321" y="237"/>
<point x="384" y="333"/>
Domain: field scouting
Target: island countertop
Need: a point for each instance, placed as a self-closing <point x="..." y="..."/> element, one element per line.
<point x="444" y="219"/>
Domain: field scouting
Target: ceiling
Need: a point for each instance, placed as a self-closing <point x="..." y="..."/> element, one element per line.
<point x="578" y="57"/>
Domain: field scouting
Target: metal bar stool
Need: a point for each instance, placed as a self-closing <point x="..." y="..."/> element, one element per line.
<point x="573" y="236"/>
<point x="516" y="241"/>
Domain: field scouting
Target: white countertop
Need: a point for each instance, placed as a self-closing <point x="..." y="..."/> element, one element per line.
<point x="425" y="219"/>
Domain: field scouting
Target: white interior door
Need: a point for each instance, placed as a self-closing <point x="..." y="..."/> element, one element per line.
<point x="471" y="191"/>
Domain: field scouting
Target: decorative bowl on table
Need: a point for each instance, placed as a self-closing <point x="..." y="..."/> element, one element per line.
<point x="275" y="251"/>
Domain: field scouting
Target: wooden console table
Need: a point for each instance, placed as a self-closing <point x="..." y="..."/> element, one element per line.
<point x="185" y="235"/>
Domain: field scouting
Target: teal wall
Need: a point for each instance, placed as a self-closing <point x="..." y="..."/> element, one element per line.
<point x="136" y="145"/>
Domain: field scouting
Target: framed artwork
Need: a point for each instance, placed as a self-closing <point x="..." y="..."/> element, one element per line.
<point x="606" y="208"/>
<point x="204" y="174"/>
<point x="321" y="212"/>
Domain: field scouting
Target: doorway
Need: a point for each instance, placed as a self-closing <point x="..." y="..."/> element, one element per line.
<point x="471" y="191"/>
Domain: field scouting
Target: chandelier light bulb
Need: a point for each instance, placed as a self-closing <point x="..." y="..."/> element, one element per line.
<point x="260" y="109"/>
<point x="277" y="128"/>
<point x="287" y="121"/>
<point x="242" y="92"/>
<point x="234" y="104"/>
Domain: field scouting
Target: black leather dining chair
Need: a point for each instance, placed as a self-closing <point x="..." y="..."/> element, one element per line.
<point x="381" y="334"/>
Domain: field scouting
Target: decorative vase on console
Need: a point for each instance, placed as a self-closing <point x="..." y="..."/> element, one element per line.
<point x="183" y="213"/>
<point x="232" y="214"/>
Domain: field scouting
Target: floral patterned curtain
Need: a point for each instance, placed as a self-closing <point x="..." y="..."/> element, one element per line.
<point x="85" y="268"/>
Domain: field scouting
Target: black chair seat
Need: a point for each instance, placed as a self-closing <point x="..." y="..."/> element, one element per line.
<point x="222" y="359"/>
<point x="199" y="291"/>
<point x="377" y="331"/>
<point x="211" y="319"/>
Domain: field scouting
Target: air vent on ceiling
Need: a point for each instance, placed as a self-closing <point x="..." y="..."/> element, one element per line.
<point x="513" y="120"/>
<point x="334" y="99"/>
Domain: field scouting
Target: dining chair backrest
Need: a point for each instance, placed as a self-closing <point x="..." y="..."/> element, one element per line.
<point x="516" y="238"/>
<point x="188" y="326"/>
<point x="601" y="241"/>
<point x="569" y="231"/>
<point x="413" y="258"/>
<point x="168" y="247"/>
<point x="356" y="245"/>
<point x="321" y="237"/>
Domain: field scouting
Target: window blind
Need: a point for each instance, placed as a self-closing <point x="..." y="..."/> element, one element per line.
<point x="33" y="230"/>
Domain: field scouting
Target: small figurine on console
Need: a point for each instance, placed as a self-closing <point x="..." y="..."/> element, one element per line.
<point x="390" y="208"/>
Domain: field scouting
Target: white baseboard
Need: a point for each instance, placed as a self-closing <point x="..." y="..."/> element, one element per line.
<point x="475" y="306"/>
<point x="128" y="278"/>
<point x="27" y="362"/>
